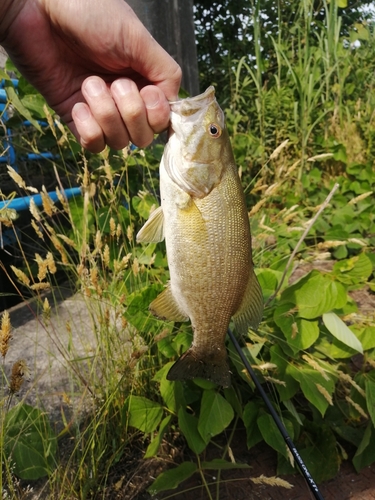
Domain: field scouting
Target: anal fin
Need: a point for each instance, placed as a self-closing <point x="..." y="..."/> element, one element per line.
<point x="250" y="311"/>
<point x="166" y="307"/>
<point x="153" y="229"/>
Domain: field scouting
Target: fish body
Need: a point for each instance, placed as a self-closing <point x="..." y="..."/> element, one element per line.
<point x="204" y="220"/>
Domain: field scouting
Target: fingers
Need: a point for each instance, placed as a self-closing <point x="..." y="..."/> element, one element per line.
<point x="119" y="114"/>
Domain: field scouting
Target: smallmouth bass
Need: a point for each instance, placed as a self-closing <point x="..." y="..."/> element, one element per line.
<point x="204" y="221"/>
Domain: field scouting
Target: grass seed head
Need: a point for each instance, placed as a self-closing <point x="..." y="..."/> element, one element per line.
<point x="5" y="333"/>
<point x="17" y="377"/>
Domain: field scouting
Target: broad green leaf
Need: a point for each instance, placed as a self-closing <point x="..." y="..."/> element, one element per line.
<point x="29" y="441"/>
<point x="338" y="329"/>
<point x="172" y="478"/>
<point x="34" y="103"/>
<point x="189" y="427"/>
<point x="366" y="335"/>
<point x="288" y="386"/>
<point x="310" y="380"/>
<point x="250" y="417"/>
<point x="321" y="449"/>
<point x="154" y="446"/>
<point x="232" y="398"/>
<point x="342" y="4"/>
<point x="355" y="270"/>
<point x="15" y="100"/>
<point x="299" y="332"/>
<point x="144" y="414"/>
<point x="268" y="280"/>
<point x="370" y="399"/>
<point x="271" y="433"/>
<point x="215" y="415"/>
<point x="319" y="295"/>
<point x="143" y="205"/>
<point x="137" y="312"/>
<point x="172" y="392"/>
<point x="365" y="454"/>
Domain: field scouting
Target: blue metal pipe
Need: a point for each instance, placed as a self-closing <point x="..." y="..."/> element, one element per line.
<point x="23" y="203"/>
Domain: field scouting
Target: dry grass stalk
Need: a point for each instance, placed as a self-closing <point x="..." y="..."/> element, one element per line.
<point x="112" y="226"/>
<point x="21" y="276"/>
<point x="316" y="366"/>
<point x="34" y="210"/>
<point x="16" y="177"/>
<point x="361" y="197"/>
<point x="347" y="378"/>
<point x="48" y="205"/>
<point x="323" y="391"/>
<point x="272" y="481"/>
<point x="357" y="407"/>
<point x="278" y="150"/>
<point x="37" y="229"/>
<point x="106" y="256"/>
<point x="275" y="381"/>
<point x="5" y="333"/>
<point x="130" y="232"/>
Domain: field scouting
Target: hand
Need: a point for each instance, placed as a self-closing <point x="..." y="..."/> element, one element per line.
<point x="96" y="65"/>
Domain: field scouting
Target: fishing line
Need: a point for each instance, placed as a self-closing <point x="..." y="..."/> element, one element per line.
<point x="304" y="470"/>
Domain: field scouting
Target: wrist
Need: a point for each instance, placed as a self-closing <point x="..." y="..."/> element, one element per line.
<point x="9" y="10"/>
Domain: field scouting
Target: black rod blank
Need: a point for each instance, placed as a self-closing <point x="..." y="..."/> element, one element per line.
<point x="304" y="470"/>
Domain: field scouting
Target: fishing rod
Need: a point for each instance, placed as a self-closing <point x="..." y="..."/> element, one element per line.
<point x="288" y="440"/>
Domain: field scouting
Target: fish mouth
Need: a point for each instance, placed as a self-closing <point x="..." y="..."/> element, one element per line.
<point x="191" y="105"/>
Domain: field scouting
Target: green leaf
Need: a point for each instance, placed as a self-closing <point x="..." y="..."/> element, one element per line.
<point x="172" y="478"/>
<point x="291" y="386"/>
<point x="171" y="392"/>
<point x="365" y="454"/>
<point x="154" y="446"/>
<point x="370" y="399"/>
<point x="250" y="417"/>
<point x="272" y="435"/>
<point x="15" y="100"/>
<point x="144" y="414"/>
<point x="355" y="270"/>
<point x="29" y="441"/>
<point x="321" y="449"/>
<point x="215" y="415"/>
<point x="300" y="333"/>
<point x="339" y="330"/>
<point x="189" y="427"/>
<point x="137" y="312"/>
<point x="309" y="380"/>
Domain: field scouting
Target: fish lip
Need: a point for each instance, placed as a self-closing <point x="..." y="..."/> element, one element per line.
<point x="201" y="99"/>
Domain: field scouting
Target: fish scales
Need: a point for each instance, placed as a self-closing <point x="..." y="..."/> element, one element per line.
<point x="208" y="241"/>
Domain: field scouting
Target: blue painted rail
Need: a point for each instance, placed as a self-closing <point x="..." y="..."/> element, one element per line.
<point x="10" y="158"/>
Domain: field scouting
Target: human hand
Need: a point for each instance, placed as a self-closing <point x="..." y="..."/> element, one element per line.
<point x="96" y="65"/>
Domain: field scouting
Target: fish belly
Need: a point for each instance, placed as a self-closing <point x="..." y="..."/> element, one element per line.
<point x="209" y="258"/>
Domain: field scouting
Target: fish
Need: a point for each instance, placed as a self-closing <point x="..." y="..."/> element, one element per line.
<point x="204" y="221"/>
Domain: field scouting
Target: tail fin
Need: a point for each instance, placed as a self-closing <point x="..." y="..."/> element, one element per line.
<point x="193" y="365"/>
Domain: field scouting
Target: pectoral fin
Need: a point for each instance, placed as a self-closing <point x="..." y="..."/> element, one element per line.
<point x="166" y="307"/>
<point x="251" y="310"/>
<point x="153" y="230"/>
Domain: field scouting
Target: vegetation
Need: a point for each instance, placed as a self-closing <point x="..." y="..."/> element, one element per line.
<point x="300" y="113"/>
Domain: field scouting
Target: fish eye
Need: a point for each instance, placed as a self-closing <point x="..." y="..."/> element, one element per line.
<point x="214" y="130"/>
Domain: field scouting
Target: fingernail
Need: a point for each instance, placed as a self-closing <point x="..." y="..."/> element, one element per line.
<point x="94" y="88"/>
<point x="81" y="111"/>
<point x="122" y="86"/>
<point x="151" y="99"/>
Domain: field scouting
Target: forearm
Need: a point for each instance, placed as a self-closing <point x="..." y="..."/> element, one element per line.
<point x="9" y="10"/>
